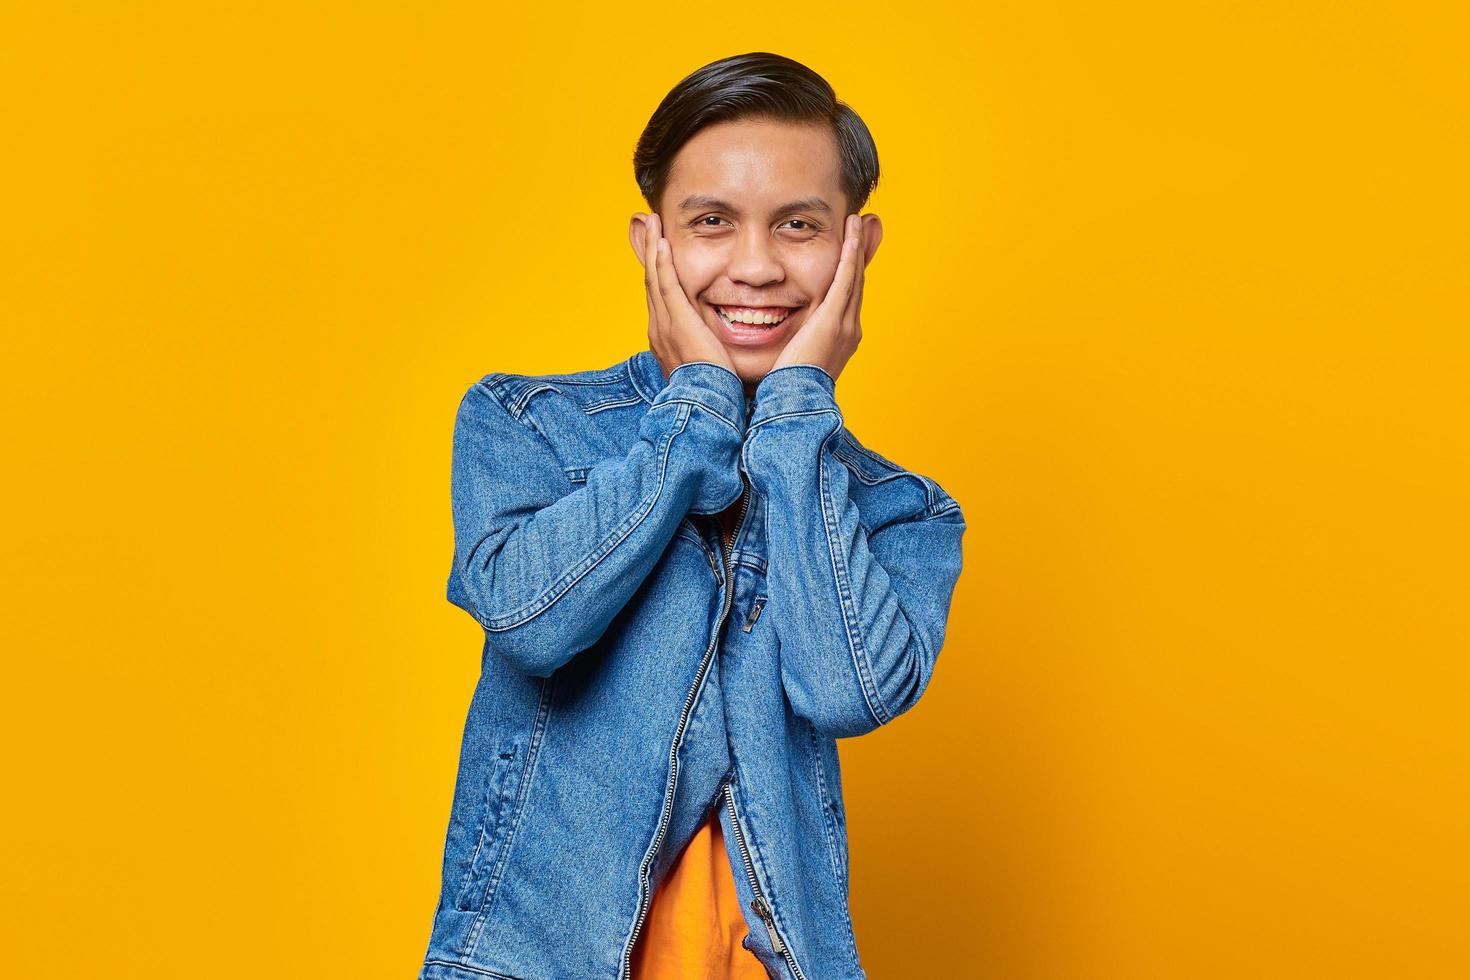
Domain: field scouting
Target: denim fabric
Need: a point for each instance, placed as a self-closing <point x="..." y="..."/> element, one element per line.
<point x="634" y="674"/>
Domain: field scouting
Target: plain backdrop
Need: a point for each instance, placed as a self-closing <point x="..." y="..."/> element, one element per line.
<point x="1172" y="297"/>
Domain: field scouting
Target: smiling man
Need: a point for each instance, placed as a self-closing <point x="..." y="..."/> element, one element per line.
<point x="692" y="579"/>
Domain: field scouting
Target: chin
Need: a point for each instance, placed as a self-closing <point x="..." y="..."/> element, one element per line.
<point x="752" y="366"/>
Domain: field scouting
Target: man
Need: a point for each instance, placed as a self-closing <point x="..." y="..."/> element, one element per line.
<point x="692" y="579"/>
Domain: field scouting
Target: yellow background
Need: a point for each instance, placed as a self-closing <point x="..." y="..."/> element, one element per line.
<point x="1171" y="296"/>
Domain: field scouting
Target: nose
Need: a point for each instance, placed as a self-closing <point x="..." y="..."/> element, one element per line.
<point x="754" y="260"/>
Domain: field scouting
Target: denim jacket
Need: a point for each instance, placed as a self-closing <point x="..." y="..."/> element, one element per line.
<point x="634" y="673"/>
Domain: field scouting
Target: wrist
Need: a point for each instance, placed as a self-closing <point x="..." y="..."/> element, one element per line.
<point x="796" y="388"/>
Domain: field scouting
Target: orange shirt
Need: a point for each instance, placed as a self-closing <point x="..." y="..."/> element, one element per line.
<point x="694" y="926"/>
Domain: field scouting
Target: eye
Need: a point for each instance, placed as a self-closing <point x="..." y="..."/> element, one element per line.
<point x="802" y="227"/>
<point x="708" y="217"/>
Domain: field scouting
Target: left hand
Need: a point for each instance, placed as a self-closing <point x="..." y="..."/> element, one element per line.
<point x="829" y="337"/>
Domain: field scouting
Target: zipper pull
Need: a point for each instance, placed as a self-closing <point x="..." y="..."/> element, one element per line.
<point x="759" y="904"/>
<point x="755" y="613"/>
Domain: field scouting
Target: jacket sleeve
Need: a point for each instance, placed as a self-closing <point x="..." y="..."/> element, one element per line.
<point x="544" y="565"/>
<point x="859" y="616"/>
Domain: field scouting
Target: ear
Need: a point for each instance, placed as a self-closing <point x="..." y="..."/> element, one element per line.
<point x="872" y="231"/>
<point x="638" y="233"/>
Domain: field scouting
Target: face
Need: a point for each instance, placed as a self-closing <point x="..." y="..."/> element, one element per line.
<point x="753" y="211"/>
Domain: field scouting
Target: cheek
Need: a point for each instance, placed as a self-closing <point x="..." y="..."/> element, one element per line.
<point x="814" y="273"/>
<point x="696" y="268"/>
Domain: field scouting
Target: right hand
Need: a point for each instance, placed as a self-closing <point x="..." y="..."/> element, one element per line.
<point x="677" y="333"/>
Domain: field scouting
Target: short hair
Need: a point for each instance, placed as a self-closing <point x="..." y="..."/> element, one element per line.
<point x="758" y="85"/>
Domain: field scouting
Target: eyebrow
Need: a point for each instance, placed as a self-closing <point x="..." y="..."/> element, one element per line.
<point x="697" y="201"/>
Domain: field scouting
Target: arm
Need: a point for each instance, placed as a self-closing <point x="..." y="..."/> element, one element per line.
<point x="544" y="568"/>
<point x="861" y="616"/>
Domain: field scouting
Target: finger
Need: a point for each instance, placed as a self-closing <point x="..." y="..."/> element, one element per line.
<point x="650" y="280"/>
<point x="648" y="268"/>
<point x="668" y="281"/>
<point x="855" y="301"/>
<point x="655" y="291"/>
<point x="646" y="248"/>
<point x="835" y="299"/>
<point x="840" y="291"/>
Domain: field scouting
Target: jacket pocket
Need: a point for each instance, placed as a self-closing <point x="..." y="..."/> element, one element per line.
<point x="495" y="809"/>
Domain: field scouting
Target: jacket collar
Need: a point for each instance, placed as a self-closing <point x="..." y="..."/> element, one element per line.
<point x="647" y="374"/>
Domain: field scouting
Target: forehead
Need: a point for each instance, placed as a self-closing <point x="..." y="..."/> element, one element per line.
<point x="757" y="163"/>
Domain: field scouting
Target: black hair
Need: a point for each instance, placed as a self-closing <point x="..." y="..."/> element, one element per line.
<point x="758" y="85"/>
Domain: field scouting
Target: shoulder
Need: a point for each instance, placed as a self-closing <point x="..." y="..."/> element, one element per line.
<point x="908" y="492"/>
<point x="590" y="391"/>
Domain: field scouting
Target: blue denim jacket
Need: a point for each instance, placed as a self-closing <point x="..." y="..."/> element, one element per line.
<point x="634" y="674"/>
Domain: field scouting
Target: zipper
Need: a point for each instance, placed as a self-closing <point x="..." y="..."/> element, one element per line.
<point x="729" y="577"/>
<point x="739" y="520"/>
<point x="764" y="912"/>
<point x="759" y="902"/>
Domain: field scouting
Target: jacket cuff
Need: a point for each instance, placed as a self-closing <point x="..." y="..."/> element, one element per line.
<point x="793" y="389"/>
<point x="711" y="386"/>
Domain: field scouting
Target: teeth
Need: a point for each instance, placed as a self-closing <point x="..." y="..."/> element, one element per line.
<point x="746" y="316"/>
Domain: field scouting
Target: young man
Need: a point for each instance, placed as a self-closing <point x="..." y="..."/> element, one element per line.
<point x="692" y="579"/>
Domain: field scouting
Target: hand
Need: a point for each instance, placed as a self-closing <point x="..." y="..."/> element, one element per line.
<point x="829" y="337"/>
<point x="677" y="333"/>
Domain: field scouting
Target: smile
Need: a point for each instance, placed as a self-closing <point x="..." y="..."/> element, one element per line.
<point x="767" y="316"/>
